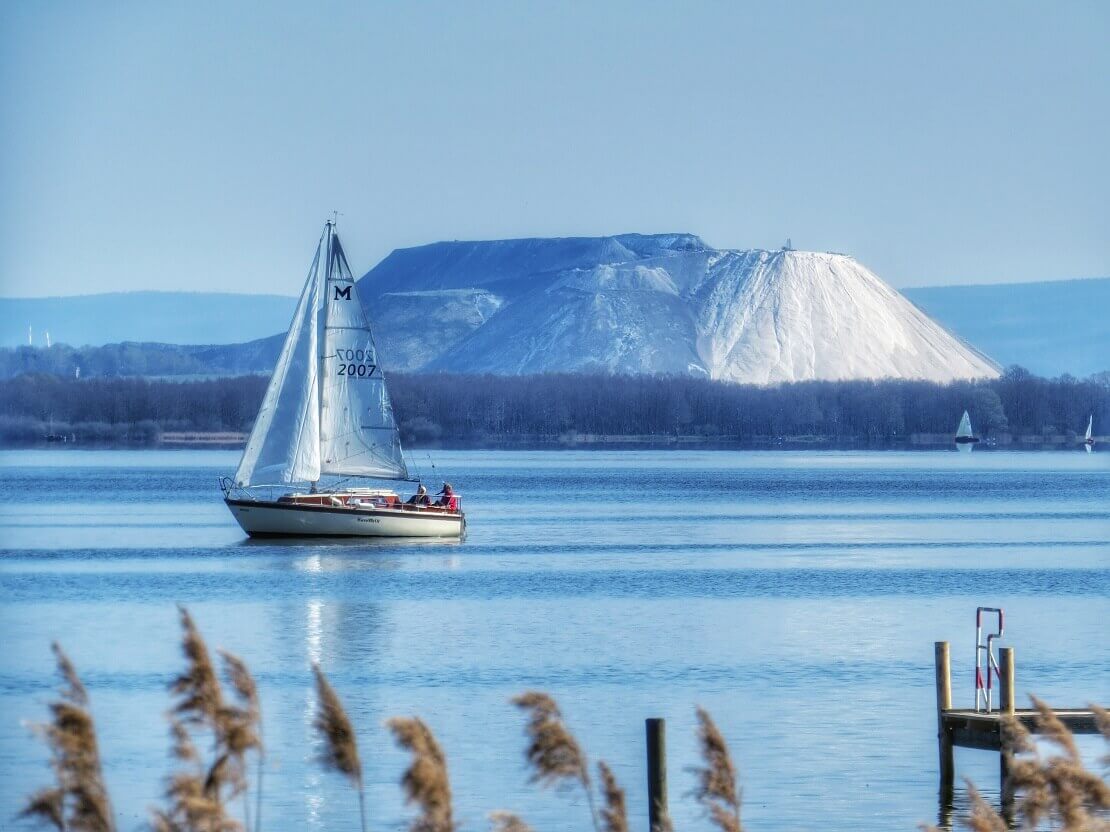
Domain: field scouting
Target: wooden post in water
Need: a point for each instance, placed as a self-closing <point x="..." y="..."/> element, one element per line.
<point x="656" y="773"/>
<point x="944" y="703"/>
<point x="1006" y="680"/>
<point x="1006" y="707"/>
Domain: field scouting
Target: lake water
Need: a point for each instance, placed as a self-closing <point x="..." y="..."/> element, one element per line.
<point x="797" y="596"/>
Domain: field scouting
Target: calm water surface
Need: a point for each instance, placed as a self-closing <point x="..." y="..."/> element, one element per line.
<point x="796" y="596"/>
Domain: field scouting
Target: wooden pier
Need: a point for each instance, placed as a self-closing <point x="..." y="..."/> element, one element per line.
<point x="969" y="728"/>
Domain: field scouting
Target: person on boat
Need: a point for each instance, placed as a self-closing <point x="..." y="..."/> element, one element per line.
<point x="420" y="498"/>
<point x="446" y="496"/>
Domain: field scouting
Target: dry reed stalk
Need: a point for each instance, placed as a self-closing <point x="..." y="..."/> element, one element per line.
<point x="242" y="729"/>
<point x="46" y="805"/>
<point x="1075" y="792"/>
<point x="614" y="814"/>
<point x="425" y="782"/>
<point x="553" y="752"/>
<point x="982" y="817"/>
<point x="716" y="789"/>
<point x="196" y="797"/>
<point x="502" y="821"/>
<point x="1026" y="775"/>
<point x="340" y="751"/>
<point x="199" y="686"/>
<point x="1056" y="787"/>
<point x="1053" y="730"/>
<point x="1102" y="720"/>
<point x="79" y="799"/>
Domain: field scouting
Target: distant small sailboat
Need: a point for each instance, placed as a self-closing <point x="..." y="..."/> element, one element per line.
<point x="327" y="412"/>
<point x="965" y="438"/>
<point x="1089" y="439"/>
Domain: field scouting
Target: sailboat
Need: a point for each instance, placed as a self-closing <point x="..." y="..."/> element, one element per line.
<point x="965" y="438"/>
<point x="1089" y="440"/>
<point x="327" y="414"/>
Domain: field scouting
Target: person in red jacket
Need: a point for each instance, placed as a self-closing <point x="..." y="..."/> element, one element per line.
<point x="447" y="498"/>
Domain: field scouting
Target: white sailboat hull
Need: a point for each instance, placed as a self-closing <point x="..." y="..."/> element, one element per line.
<point x="260" y="518"/>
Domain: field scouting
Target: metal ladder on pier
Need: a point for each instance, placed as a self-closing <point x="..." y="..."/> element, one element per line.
<point x="986" y="662"/>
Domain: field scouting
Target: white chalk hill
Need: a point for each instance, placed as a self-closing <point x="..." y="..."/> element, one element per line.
<point x="760" y="317"/>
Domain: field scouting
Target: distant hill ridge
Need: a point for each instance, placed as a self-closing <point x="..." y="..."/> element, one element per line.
<point x="144" y="316"/>
<point x="625" y="303"/>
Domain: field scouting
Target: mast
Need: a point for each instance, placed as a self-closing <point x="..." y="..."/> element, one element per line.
<point x="322" y="335"/>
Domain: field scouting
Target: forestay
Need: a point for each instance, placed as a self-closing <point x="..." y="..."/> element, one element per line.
<point x="284" y="445"/>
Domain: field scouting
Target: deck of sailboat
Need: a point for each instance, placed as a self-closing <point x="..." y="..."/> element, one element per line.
<point x="298" y="518"/>
<point x="379" y="502"/>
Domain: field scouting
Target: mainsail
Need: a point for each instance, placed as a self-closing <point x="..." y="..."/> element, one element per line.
<point x="358" y="434"/>
<point x="1090" y="425"/>
<point x="326" y="410"/>
<point x="965" y="426"/>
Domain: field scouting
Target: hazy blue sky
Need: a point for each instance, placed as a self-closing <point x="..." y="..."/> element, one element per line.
<point x="201" y="145"/>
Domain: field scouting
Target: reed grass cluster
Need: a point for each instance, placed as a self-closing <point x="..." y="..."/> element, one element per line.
<point x="78" y="799"/>
<point x="214" y="735"/>
<point x="197" y="795"/>
<point x="425" y="782"/>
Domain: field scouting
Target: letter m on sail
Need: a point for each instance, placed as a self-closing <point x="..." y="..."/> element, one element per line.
<point x="342" y="292"/>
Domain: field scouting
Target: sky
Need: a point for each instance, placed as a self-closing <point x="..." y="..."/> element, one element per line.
<point x="200" y="145"/>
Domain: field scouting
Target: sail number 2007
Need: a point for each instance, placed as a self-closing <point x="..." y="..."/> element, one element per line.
<point x="353" y="363"/>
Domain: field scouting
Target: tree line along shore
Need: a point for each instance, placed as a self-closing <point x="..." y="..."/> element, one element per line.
<point x="1018" y="409"/>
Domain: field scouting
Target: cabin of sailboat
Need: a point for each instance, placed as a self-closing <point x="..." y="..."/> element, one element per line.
<point x="327" y="413"/>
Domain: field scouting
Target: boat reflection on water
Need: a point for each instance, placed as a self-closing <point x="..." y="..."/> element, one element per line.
<point x="349" y="640"/>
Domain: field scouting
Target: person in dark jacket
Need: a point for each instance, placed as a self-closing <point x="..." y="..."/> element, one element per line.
<point x="420" y="498"/>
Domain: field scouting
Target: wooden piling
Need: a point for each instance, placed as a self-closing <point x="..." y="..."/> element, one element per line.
<point x="1006" y="680"/>
<point x="657" y="773"/>
<point x="1006" y="709"/>
<point x="947" y="766"/>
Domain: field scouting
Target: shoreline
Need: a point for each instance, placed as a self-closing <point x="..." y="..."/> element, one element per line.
<point x="225" y="442"/>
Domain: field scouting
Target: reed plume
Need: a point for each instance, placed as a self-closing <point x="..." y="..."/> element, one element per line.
<point x="1026" y="774"/>
<point x="196" y="795"/>
<point x="1053" y="730"/>
<point x="201" y="698"/>
<point x="614" y="814"/>
<point x="1057" y="786"/>
<point x="242" y="729"/>
<point x="1102" y="720"/>
<point x="553" y="753"/>
<point x="425" y="782"/>
<point x="78" y="800"/>
<point x="1075" y="792"/>
<point x="340" y="752"/>
<point x="502" y="821"/>
<point x="982" y="817"/>
<point x="716" y="788"/>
